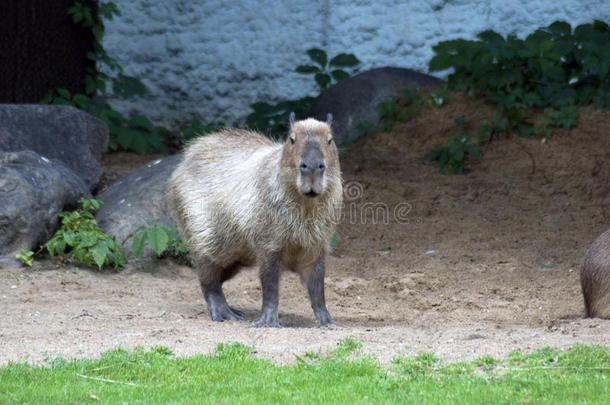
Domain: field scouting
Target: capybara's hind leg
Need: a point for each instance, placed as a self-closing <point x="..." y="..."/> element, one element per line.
<point x="211" y="277"/>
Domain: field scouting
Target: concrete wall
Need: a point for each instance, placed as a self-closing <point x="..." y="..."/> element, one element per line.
<point x="210" y="59"/>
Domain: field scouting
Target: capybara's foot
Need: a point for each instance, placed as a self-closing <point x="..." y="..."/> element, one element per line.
<point x="222" y="312"/>
<point x="225" y="313"/>
<point x="267" y="321"/>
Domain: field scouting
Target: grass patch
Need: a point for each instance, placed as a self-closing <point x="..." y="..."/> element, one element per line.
<point x="233" y="375"/>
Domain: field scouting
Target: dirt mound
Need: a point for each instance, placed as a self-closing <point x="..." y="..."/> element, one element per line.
<point x="462" y="265"/>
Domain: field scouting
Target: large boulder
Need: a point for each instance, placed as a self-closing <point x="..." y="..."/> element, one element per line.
<point x="355" y="101"/>
<point x="33" y="189"/>
<point x="56" y="132"/>
<point x="136" y="198"/>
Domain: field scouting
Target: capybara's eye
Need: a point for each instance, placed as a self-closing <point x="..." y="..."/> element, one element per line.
<point x="330" y="141"/>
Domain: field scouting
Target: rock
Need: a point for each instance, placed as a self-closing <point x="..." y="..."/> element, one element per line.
<point x="140" y="196"/>
<point x="33" y="189"/>
<point x="355" y="100"/>
<point x="58" y="132"/>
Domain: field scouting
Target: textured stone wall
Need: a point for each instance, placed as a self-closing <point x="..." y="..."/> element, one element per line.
<point x="210" y="59"/>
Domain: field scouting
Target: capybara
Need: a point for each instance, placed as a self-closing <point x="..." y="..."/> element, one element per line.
<point x="240" y="199"/>
<point x="595" y="277"/>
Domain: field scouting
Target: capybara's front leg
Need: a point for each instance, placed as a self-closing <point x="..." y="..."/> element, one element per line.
<point x="270" y="282"/>
<point x="315" y="287"/>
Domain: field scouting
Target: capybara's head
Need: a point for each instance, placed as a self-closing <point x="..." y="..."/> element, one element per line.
<point x="310" y="157"/>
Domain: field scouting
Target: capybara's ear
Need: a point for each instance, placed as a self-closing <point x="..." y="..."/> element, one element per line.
<point x="329" y="119"/>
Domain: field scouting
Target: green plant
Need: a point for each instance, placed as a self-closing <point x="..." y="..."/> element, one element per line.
<point x="272" y="119"/>
<point x="162" y="239"/>
<point x="79" y="237"/>
<point x="554" y="68"/>
<point x="452" y="159"/>
<point x="105" y="80"/>
<point x="26" y="257"/>
<point x="401" y="109"/>
<point x="565" y="118"/>
<point x="326" y="71"/>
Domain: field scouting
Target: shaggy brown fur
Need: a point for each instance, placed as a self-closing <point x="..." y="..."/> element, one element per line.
<point x="239" y="199"/>
<point x="595" y="277"/>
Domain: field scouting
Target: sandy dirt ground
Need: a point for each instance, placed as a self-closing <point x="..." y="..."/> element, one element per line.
<point x="462" y="266"/>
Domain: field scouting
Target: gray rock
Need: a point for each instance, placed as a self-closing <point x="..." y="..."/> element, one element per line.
<point x="355" y="100"/>
<point x="58" y="132"/>
<point x="33" y="189"/>
<point x="140" y="196"/>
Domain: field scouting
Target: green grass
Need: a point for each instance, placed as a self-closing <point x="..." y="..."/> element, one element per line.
<point x="233" y="375"/>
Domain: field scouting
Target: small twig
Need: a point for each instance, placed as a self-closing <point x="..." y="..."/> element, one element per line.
<point x="107" y="380"/>
<point x="106" y="367"/>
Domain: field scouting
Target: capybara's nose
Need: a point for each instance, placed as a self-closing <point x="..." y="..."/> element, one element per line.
<point x="312" y="167"/>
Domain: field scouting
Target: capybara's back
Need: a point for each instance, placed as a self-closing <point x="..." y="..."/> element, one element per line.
<point x="595" y="277"/>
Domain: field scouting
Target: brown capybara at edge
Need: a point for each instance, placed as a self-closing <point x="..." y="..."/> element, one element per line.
<point x="595" y="277"/>
<point x="240" y="199"/>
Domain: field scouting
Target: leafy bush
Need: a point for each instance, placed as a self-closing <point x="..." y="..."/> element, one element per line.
<point x="401" y="109"/>
<point x="272" y="119"/>
<point x="80" y="238"/>
<point x="452" y="159"/>
<point x="554" y="66"/>
<point x="164" y="240"/>
<point x="554" y="69"/>
<point x="136" y="133"/>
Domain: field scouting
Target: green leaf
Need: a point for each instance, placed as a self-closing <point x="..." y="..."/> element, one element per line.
<point x="140" y="121"/>
<point x="139" y="241"/>
<point x="108" y="10"/>
<point x="339" y="75"/>
<point x="491" y="37"/>
<point x="140" y="144"/>
<point x="64" y="93"/>
<point x="87" y="239"/>
<point x="125" y="86"/>
<point x="440" y="62"/>
<point x="124" y="136"/>
<point x="322" y="79"/>
<point x="59" y="247"/>
<point x="70" y="237"/>
<point x="601" y="26"/>
<point x="157" y="239"/>
<point x="560" y="29"/>
<point x="98" y="32"/>
<point x="80" y="100"/>
<point x="344" y="60"/>
<point x="307" y="69"/>
<point x="99" y="253"/>
<point x="318" y="56"/>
